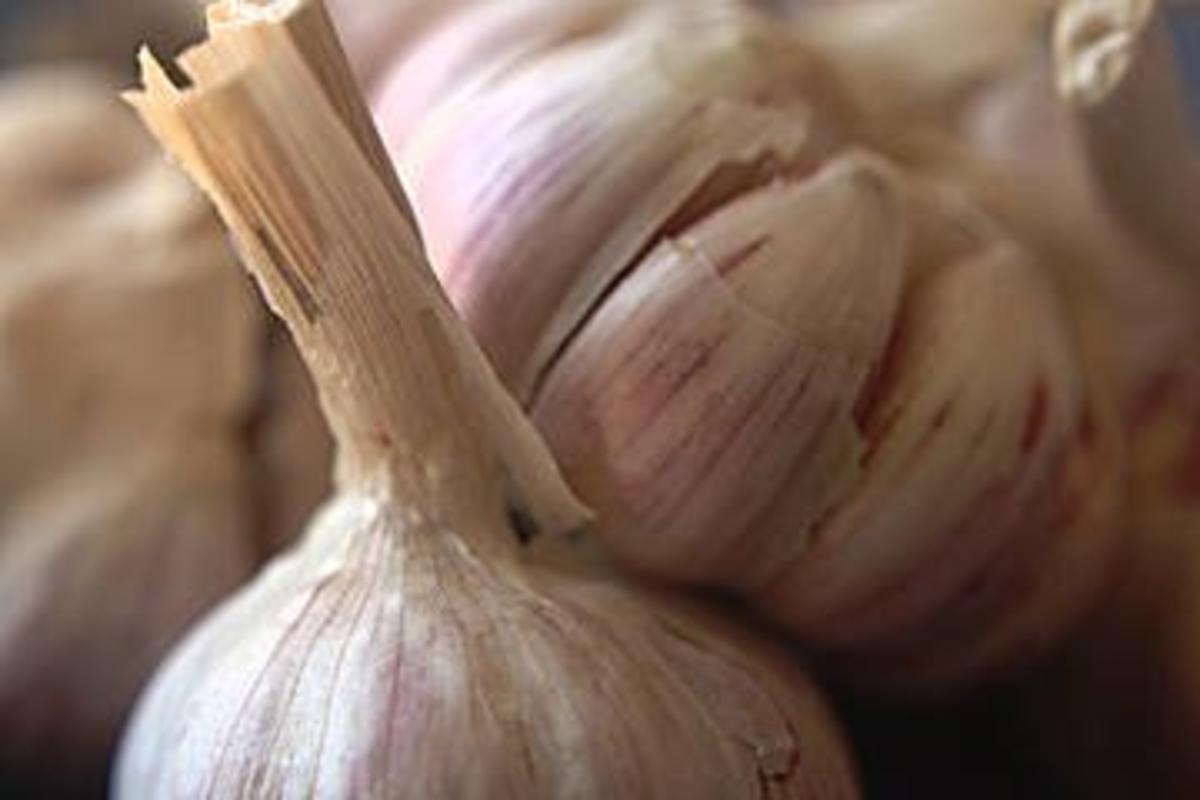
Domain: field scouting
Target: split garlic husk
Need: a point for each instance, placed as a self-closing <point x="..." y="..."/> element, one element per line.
<point x="411" y="645"/>
<point x="505" y="117"/>
<point x="127" y="345"/>
<point x="734" y="354"/>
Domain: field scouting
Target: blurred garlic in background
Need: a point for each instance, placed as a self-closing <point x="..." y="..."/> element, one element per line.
<point x="131" y="351"/>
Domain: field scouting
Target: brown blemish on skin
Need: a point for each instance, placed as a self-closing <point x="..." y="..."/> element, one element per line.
<point x="299" y="290"/>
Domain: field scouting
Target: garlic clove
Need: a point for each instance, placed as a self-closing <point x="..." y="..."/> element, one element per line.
<point x="410" y="646"/>
<point x="982" y="469"/>
<point x="525" y="166"/>
<point x="708" y="408"/>
<point x="101" y="569"/>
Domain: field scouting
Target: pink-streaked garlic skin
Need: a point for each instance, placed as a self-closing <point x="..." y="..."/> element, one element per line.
<point x="972" y="413"/>
<point x="389" y="657"/>
<point x="103" y="568"/>
<point x="525" y="139"/>
<point x="985" y="524"/>
<point x="737" y="349"/>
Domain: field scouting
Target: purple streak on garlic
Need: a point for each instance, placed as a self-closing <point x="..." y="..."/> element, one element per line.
<point x="969" y="497"/>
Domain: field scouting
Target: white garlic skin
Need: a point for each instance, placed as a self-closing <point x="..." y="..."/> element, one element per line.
<point x="388" y="658"/>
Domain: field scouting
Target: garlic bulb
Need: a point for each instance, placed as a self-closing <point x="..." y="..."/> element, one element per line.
<point x="102" y="566"/>
<point x="498" y="121"/>
<point x="133" y="481"/>
<point x="915" y="62"/>
<point x="982" y="526"/>
<point x="769" y="360"/>
<point x="411" y="646"/>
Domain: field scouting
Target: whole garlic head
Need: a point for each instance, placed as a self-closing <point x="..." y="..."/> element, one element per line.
<point x="129" y="367"/>
<point x="412" y="645"/>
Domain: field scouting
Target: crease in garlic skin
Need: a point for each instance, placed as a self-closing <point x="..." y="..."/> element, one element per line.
<point x="711" y="363"/>
<point x="410" y="645"/>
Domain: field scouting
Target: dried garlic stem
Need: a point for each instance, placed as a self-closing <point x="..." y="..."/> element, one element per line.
<point x="346" y="269"/>
<point x="1115" y="65"/>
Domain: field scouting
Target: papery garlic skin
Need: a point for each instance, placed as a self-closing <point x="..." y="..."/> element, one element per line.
<point x="388" y="658"/>
<point x="524" y="160"/>
<point x="734" y="353"/>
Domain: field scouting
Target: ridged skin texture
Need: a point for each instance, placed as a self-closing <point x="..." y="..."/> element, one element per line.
<point x="388" y="658"/>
